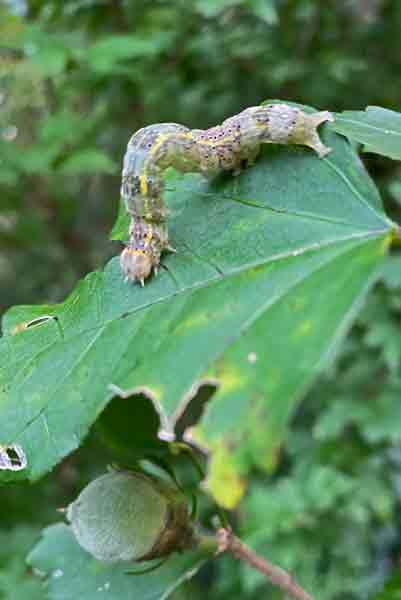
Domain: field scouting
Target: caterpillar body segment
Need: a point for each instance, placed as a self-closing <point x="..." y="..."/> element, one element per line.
<point x="153" y="149"/>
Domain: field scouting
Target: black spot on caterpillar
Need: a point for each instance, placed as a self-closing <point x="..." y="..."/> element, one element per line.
<point x="225" y="147"/>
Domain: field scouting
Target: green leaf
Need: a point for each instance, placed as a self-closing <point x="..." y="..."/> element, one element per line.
<point x="270" y="270"/>
<point x="392" y="589"/>
<point x="385" y="335"/>
<point x="378" y="129"/>
<point x="394" y="189"/>
<point x="377" y="421"/>
<point x="29" y="161"/>
<point x="296" y="504"/>
<point x="103" y="55"/>
<point x="16" y="583"/>
<point x="213" y="8"/>
<point x="265" y="10"/>
<point x="391" y="272"/>
<point x="66" y="127"/>
<point x="72" y="573"/>
<point x="87" y="162"/>
<point x="50" y="60"/>
<point x="120" y="228"/>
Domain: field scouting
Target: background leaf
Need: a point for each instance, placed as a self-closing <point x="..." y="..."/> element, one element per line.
<point x="378" y="129"/>
<point x="72" y="573"/>
<point x="88" y="161"/>
<point x="16" y="583"/>
<point x="392" y="589"/>
<point x="110" y="50"/>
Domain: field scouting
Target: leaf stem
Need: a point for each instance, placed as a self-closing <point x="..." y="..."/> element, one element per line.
<point x="228" y="542"/>
<point x="206" y="543"/>
<point x="396" y="235"/>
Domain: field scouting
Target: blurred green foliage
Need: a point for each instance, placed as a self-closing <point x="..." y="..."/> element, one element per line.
<point x="76" y="79"/>
<point x="330" y="513"/>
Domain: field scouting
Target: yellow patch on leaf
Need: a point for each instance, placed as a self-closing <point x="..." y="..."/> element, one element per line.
<point x="223" y="481"/>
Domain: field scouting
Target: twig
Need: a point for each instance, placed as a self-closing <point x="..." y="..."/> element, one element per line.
<point x="228" y="542"/>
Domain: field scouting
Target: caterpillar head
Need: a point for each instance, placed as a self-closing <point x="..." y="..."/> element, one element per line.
<point x="137" y="264"/>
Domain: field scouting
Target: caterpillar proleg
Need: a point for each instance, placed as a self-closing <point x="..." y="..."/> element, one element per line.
<point x="153" y="149"/>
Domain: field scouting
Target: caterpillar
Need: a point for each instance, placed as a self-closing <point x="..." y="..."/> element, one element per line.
<point x="154" y="148"/>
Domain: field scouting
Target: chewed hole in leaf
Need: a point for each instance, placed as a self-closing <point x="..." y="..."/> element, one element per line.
<point x="12" y="458"/>
<point x="129" y="427"/>
<point x="36" y="322"/>
<point x="195" y="406"/>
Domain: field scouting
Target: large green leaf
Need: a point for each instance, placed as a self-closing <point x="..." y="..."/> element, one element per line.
<point x="72" y="573"/>
<point x="378" y="129"/>
<point x="270" y="269"/>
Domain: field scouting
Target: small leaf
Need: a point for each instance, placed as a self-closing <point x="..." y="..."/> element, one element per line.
<point x="64" y="127"/>
<point x="88" y="162"/>
<point x="265" y="10"/>
<point x="394" y="189"/>
<point x="50" y="60"/>
<point x="72" y="573"/>
<point x="212" y="8"/>
<point x="378" y="129"/>
<point x="103" y="55"/>
<point x="376" y="420"/>
<point x="34" y="162"/>
<point x="392" y="589"/>
<point x="390" y="272"/>
<point x="384" y="334"/>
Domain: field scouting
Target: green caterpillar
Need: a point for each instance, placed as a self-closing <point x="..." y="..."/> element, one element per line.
<point x="153" y="149"/>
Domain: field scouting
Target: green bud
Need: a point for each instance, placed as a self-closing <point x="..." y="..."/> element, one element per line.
<point x="130" y="516"/>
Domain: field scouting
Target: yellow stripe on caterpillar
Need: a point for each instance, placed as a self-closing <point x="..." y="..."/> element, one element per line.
<point x="159" y="141"/>
<point x="149" y="233"/>
<point x="143" y="181"/>
<point x="135" y="252"/>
